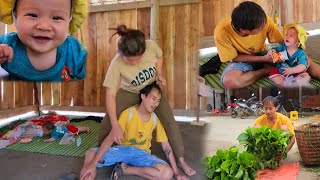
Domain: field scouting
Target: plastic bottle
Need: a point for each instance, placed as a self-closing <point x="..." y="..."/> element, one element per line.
<point x="276" y="18"/>
<point x="78" y="141"/>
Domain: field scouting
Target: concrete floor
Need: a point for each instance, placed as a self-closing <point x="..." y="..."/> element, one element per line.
<point x="222" y="132"/>
<point x="312" y="45"/>
<point x="15" y="165"/>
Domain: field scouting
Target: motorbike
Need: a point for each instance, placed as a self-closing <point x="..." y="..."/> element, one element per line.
<point x="281" y="108"/>
<point x="250" y="107"/>
<point x="233" y="107"/>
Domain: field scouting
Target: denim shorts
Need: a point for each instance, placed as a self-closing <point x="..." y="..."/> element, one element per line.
<point x="244" y="67"/>
<point x="130" y="155"/>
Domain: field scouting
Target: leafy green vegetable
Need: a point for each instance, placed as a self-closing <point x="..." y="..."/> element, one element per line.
<point x="267" y="144"/>
<point x="231" y="164"/>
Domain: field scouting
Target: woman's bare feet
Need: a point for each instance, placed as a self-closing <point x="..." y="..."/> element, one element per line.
<point x="185" y="167"/>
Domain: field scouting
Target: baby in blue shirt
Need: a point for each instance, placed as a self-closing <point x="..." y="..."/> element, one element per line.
<point x="57" y="130"/>
<point x="42" y="49"/>
<point x="296" y="63"/>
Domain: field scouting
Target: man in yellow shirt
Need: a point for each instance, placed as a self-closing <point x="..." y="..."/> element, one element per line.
<point x="275" y="120"/>
<point x="137" y="124"/>
<point x="240" y="40"/>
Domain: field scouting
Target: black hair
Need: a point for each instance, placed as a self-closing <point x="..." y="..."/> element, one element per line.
<point x="270" y="100"/>
<point x="248" y="15"/>
<point x="146" y="90"/>
<point x="132" y="41"/>
<point x="48" y="125"/>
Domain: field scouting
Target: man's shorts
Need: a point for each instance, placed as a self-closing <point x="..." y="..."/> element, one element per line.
<point x="130" y="155"/>
<point x="244" y="67"/>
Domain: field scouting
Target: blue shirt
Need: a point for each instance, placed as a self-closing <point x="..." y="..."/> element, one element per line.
<point x="298" y="57"/>
<point x="70" y="63"/>
<point x="58" y="132"/>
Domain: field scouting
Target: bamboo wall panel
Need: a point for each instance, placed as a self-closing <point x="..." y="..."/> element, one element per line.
<point x="107" y="45"/>
<point x="179" y="35"/>
<point x="192" y="60"/>
<point x="167" y="39"/>
<point x="45" y="93"/>
<point x="8" y="95"/>
<point x="90" y="31"/>
<point x="179" y="63"/>
<point x="8" y="88"/>
<point x="103" y="59"/>
<point x="23" y="94"/>
<point x="143" y="21"/>
<point x="300" y="11"/>
<point x="56" y="93"/>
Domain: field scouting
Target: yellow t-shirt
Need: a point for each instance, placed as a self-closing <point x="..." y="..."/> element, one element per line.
<point x="133" y="78"/>
<point x="138" y="133"/>
<point x="230" y="44"/>
<point x="281" y="120"/>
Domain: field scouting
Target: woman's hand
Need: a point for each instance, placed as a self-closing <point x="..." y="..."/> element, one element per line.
<point x="285" y="128"/>
<point x="160" y="80"/>
<point x="117" y="133"/>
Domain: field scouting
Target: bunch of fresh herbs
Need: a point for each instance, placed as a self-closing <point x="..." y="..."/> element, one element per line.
<point x="231" y="164"/>
<point x="267" y="144"/>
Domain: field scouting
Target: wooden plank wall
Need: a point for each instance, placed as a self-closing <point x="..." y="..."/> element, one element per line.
<point x="14" y="94"/>
<point x="300" y="11"/>
<point x="180" y="28"/>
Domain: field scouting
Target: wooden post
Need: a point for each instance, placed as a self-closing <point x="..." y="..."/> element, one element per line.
<point x="197" y="122"/>
<point x="260" y="93"/>
<point x="154" y="20"/>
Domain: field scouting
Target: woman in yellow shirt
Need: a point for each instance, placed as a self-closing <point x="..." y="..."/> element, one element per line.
<point x="275" y="120"/>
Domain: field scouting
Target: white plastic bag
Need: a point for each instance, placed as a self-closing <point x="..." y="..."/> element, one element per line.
<point x="203" y="89"/>
<point x="292" y="81"/>
<point x="67" y="139"/>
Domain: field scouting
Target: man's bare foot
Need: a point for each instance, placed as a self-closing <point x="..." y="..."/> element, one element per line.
<point x="185" y="167"/>
<point x="88" y="130"/>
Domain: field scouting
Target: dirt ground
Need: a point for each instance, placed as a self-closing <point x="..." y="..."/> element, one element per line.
<point x="222" y="132"/>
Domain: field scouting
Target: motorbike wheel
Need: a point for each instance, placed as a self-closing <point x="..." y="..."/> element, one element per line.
<point x="283" y="111"/>
<point x="259" y="112"/>
<point x="234" y="113"/>
<point x="243" y="115"/>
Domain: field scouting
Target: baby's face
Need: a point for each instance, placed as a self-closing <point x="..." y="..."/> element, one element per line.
<point x="291" y="38"/>
<point x="42" y="25"/>
<point x="46" y="132"/>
